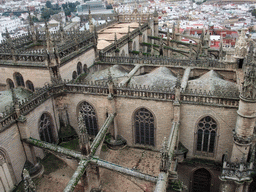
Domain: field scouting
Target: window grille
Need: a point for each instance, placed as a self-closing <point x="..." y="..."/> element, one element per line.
<point x="206" y="135"/>
<point x="46" y="129"/>
<point x="90" y="118"/>
<point x="144" y="127"/>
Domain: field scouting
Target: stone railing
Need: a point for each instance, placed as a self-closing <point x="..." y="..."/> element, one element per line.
<point x="104" y="25"/>
<point x="102" y="88"/>
<point x="135" y="18"/>
<point x="237" y="171"/>
<point x="145" y="92"/>
<point x="165" y="61"/>
<point x="123" y="40"/>
<point x="34" y="100"/>
<point x="222" y="98"/>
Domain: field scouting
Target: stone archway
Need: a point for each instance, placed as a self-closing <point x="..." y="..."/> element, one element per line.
<point x="201" y="181"/>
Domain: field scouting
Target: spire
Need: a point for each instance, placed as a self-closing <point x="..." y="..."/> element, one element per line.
<point x="221" y="48"/>
<point x="52" y="57"/>
<point x="48" y="37"/>
<point x="30" y="19"/>
<point x="115" y="39"/>
<point x="110" y="79"/>
<point x="7" y="35"/>
<point x="168" y="37"/>
<point x="164" y="165"/>
<point x="178" y="83"/>
<point x="250" y="57"/>
<point x="155" y="14"/>
<point x="173" y="31"/>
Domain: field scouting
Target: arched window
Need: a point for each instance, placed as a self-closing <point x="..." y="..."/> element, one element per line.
<point x="74" y="75"/>
<point x="144" y="127"/>
<point x="6" y="182"/>
<point x="19" y="79"/>
<point x="206" y="136"/>
<point x="10" y="83"/>
<point x="46" y="128"/>
<point x="30" y="85"/>
<point x="90" y="118"/>
<point x="134" y="46"/>
<point x="85" y="68"/>
<point x="201" y="181"/>
<point x="79" y="68"/>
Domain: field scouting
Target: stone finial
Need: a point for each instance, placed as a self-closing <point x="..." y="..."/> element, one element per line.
<point x="155" y="14"/>
<point x="115" y="38"/>
<point x="30" y="19"/>
<point x="14" y="97"/>
<point x="110" y="79"/>
<point x="221" y="48"/>
<point x="249" y="84"/>
<point x="241" y="46"/>
<point x="164" y="165"/>
<point x="178" y="83"/>
<point x="7" y="34"/>
<point x="173" y="31"/>
<point x="250" y="56"/>
<point x="29" y="185"/>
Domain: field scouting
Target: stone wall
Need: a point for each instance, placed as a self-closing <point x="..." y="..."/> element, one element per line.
<point x="32" y="123"/>
<point x="125" y="109"/>
<point x="38" y="76"/>
<point x="67" y="69"/>
<point x="226" y="121"/>
<point x="11" y="145"/>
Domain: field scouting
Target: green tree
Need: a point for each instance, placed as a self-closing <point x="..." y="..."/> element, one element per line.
<point x="48" y="4"/>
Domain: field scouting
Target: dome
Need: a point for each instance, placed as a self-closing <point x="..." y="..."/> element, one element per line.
<point x="6" y="97"/>
<point x="212" y="81"/>
<point x="161" y="77"/>
<point x="116" y="71"/>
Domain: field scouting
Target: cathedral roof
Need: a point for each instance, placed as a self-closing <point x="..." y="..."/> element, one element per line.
<point x="116" y="71"/>
<point x="212" y="81"/>
<point x="6" y="97"/>
<point x="161" y="77"/>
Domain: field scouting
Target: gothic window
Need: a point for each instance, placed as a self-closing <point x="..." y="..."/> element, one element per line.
<point x="10" y="83"/>
<point x="206" y="136"/>
<point x="30" y="85"/>
<point x="90" y="118"/>
<point x="79" y="68"/>
<point x="74" y="75"/>
<point x="19" y="79"/>
<point x="144" y="127"/>
<point x="201" y="181"/>
<point x="6" y="183"/>
<point x="46" y="128"/>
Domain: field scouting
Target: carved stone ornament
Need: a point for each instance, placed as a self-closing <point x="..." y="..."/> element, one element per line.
<point x="241" y="46"/>
<point x="2" y="160"/>
<point x="249" y="84"/>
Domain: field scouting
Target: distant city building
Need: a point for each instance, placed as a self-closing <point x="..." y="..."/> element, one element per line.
<point x="96" y="7"/>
